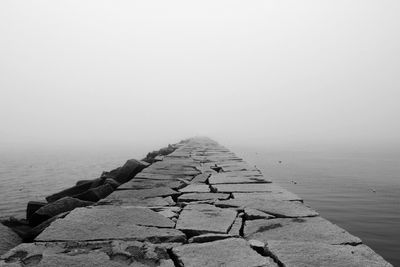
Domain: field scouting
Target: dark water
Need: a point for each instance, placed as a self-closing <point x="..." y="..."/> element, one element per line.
<point x="358" y="191"/>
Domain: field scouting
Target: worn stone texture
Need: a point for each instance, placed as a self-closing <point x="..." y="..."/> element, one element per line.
<point x="285" y="209"/>
<point x="309" y="254"/>
<point x="314" y="229"/>
<point x="228" y="252"/>
<point x="138" y="202"/>
<point x="203" y="218"/>
<point x="253" y="214"/>
<point x="151" y="183"/>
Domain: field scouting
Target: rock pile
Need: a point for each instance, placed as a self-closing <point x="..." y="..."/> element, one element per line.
<point x="198" y="205"/>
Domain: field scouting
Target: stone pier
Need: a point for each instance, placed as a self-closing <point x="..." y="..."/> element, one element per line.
<point x="201" y="205"/>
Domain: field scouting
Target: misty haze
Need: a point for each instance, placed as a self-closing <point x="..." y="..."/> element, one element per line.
<point x="307" y="92"/>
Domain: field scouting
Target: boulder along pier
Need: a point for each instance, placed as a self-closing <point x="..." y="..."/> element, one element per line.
<point x="194" y="203"/>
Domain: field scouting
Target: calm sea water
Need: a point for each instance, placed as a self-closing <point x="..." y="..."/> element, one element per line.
<point x="358" y="191"/>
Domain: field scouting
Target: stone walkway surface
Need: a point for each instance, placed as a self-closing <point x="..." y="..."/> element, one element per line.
<point x="200" y="205"/>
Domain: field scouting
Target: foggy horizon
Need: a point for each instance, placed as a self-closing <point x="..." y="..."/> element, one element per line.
<point x="116" y="73"/>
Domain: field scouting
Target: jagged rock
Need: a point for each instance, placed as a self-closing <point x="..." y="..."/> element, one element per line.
<point x="8" y="239"/>
<point x="203" y="218"/>
<point x="32" y="207"/>
<point x="314" y="229"/>
<point x="126" y="172"/>
<point x="162" y="176"/>
<point x="195" y="188"/>
<point x="52" y="209"/>
<point x="309" y="254"/>
<point x="73" y="191"/>
<point x="286" y="209"/>
<point x="95" y="194"/>
<point x="228" y="252"/>
<point x="112" y="182"/>
<point x="202" y="196"/>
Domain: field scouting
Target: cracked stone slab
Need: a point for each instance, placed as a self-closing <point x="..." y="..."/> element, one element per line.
<point x="142" y="193"/>
<point x="195" y="188"/>
<point x="203" y="218"/>
<point x="233" y="252"/>
<point x="100" y="253"/>
<point x="227" y="178"/>
<point x="247" y="188"/>
<point x="283" y="209"/>
<point x="189" y="197"/>
<point x="150" y="183"/>
<point x="309" y="254"/>
<point x="313" y="229"/>
<point x="169" y="212"/>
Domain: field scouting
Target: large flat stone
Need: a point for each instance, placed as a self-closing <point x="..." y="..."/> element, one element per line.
<point x="247" y="188"/>
<point x="203" y="218"/>
<point x="283" y="209"/>
<point x="314" y="229"/>
<point x="143" y="193"/>
<point x="202" y="197"/>
<point x="139" y="202"/>
<point x="119" y="215"/>
<point x="95" y="253"/>
<point x="65" y="230"/>
<point x="227" y="178"/>
<point x="228" y="252"/>
<point x="195" y="188"/>
<point x="150" y="183"/>
<point x="309" y="254"/>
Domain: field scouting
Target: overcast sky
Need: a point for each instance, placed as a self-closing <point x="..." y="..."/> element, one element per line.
<point x="94" y="73"/>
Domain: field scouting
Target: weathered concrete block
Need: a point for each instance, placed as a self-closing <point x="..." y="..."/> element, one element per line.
<point x="228" y="252"/>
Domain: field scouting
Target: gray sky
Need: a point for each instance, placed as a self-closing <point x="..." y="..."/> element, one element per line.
<point x="94" y="73"/>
